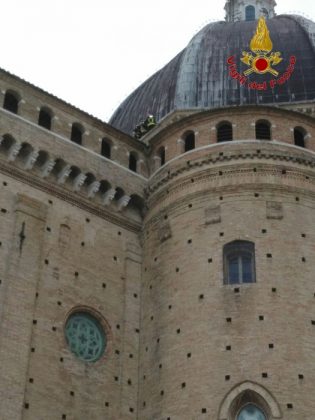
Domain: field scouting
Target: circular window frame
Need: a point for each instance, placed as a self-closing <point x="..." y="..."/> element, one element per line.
<point x="255" y="405"/>
<point x="103" y="324"/>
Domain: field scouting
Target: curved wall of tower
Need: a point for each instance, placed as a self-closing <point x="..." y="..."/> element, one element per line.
<point x="205" y="343"/>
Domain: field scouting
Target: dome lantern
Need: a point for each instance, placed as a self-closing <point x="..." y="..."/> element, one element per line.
<point x="237" y="10"/>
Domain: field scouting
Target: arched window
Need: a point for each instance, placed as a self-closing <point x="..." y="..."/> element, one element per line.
<point x="250" y="13"/>
<point x="161" y="154"/>
<point x="44" y="118"/>
<point x="11" y="102"/>
<point x="133" y="159"/>
<point x="76" y="133"/>
<point x="299" y="136"/>
<point x="251" y="412"/>
<point x="106" y="148"/>
<point x="189" y="141"/>
<point x="263" y="130"/>
<point x="239" y="262"/>
<point x="224" y="131"/>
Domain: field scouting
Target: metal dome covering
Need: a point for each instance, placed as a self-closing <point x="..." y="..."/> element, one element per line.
<point x="198" y="77"/>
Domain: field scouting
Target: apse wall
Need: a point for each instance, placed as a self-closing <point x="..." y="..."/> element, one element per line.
<point x="204" y="343"/>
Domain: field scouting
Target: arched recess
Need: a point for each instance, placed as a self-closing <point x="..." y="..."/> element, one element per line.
<point x="245" y="393"/>
<point x="250" y="13"/>
<point x="299" y="136"/>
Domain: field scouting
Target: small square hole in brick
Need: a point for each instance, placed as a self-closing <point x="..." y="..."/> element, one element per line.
<point x="64" y="417"/>
<point x="82" y="243"/>
<point x="228" y="319"/>
<point x="162" y="392"/>
<point x="31" y="380"/>
<point x="184" y="385"/>
<point x="297" y="199"/>
<point x="131" y="410"/>
<point x="188" y="355"/>
<point x="221" y="233"/>
<point x="209" y="260"/>
<point x="135" y="295"/>
<point x="190" y="206"/>
<point x="177" y="270"/>
<point x="201" y="297"/>
<point x="274" y="289"/>
<point x="227" y="377"/>
<point x="284" y="171"/>
<point x="33" y="349"/>
<point x="264" y="375"/>
<point x="87" y="220"/>
<point x="27" y="406"/>
<point x="61" y="359"/>
<point x="301" y="376"/>
<point x="4" y="183"/>
<point x="203" y="410"/>
<point x="169" y="307"/>
<point x="271" y="345"/>
<point x="117" y="352"/>
<point x="256" y="195"/>
<point x="313" y="322"/>
<point x="72" y="393"/>
<point x="263" y="230"/>
<point x="178" y="330"/>
<point x="160" y="366"/>
<point x="189" y="241"/>
<point x="236" y="289"/>
<point x="76" y="274"/>
<point x="116" y="378"/>
<point x="303" y="235"/>
<point x="261" y="318"/>
<point x="303" y="259"/>
<point x="107" y="404"/>
<point x="130" y="356"/>
<point x="269" y="255"/>
<point x="228" y="348"/>
<point x="289" y="406"/>
<point x="54" y="328"/>
<point x="59" y="303"/>
<point x="48" y="229"/>
<point x="221" y="198"/>
<point x="104" y="285"/>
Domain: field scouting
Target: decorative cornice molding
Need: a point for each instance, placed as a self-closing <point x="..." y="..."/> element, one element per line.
<point x="69" y="196"/>
<point x="164" y="177"/>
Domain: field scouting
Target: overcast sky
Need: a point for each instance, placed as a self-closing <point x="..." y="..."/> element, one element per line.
<point x="94" y="53"/>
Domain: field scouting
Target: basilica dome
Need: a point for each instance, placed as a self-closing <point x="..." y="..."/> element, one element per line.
<point x="210" y="72"/>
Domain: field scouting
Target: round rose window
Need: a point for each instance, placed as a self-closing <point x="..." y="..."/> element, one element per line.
<point x="251" y="412"/>
<point x="85" y="336"/>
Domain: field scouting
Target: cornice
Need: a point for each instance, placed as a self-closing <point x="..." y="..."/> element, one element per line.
<point x="72" y="198"/>
<point x="164" y="177"/>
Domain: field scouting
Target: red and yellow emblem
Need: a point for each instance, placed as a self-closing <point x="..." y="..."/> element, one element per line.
<point x="261" y="46"/>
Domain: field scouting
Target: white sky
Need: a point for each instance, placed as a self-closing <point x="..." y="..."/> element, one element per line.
<point x="94" y="53"/>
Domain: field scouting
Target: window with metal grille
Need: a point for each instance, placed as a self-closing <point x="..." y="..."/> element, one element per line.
<point x="224" y="132"/>
<point x="250" y="13"/>
<point x="299" y="136"/>
<point x="239" y="262"/>
<point x="263" y="131"/>
<point x="251" y="412"/>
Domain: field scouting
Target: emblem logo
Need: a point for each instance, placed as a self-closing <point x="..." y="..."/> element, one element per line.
<point x="261" y="61"/>
<point x="261" y="45"/>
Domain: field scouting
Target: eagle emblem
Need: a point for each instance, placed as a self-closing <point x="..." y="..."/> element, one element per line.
<point x="262" y="59"/>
